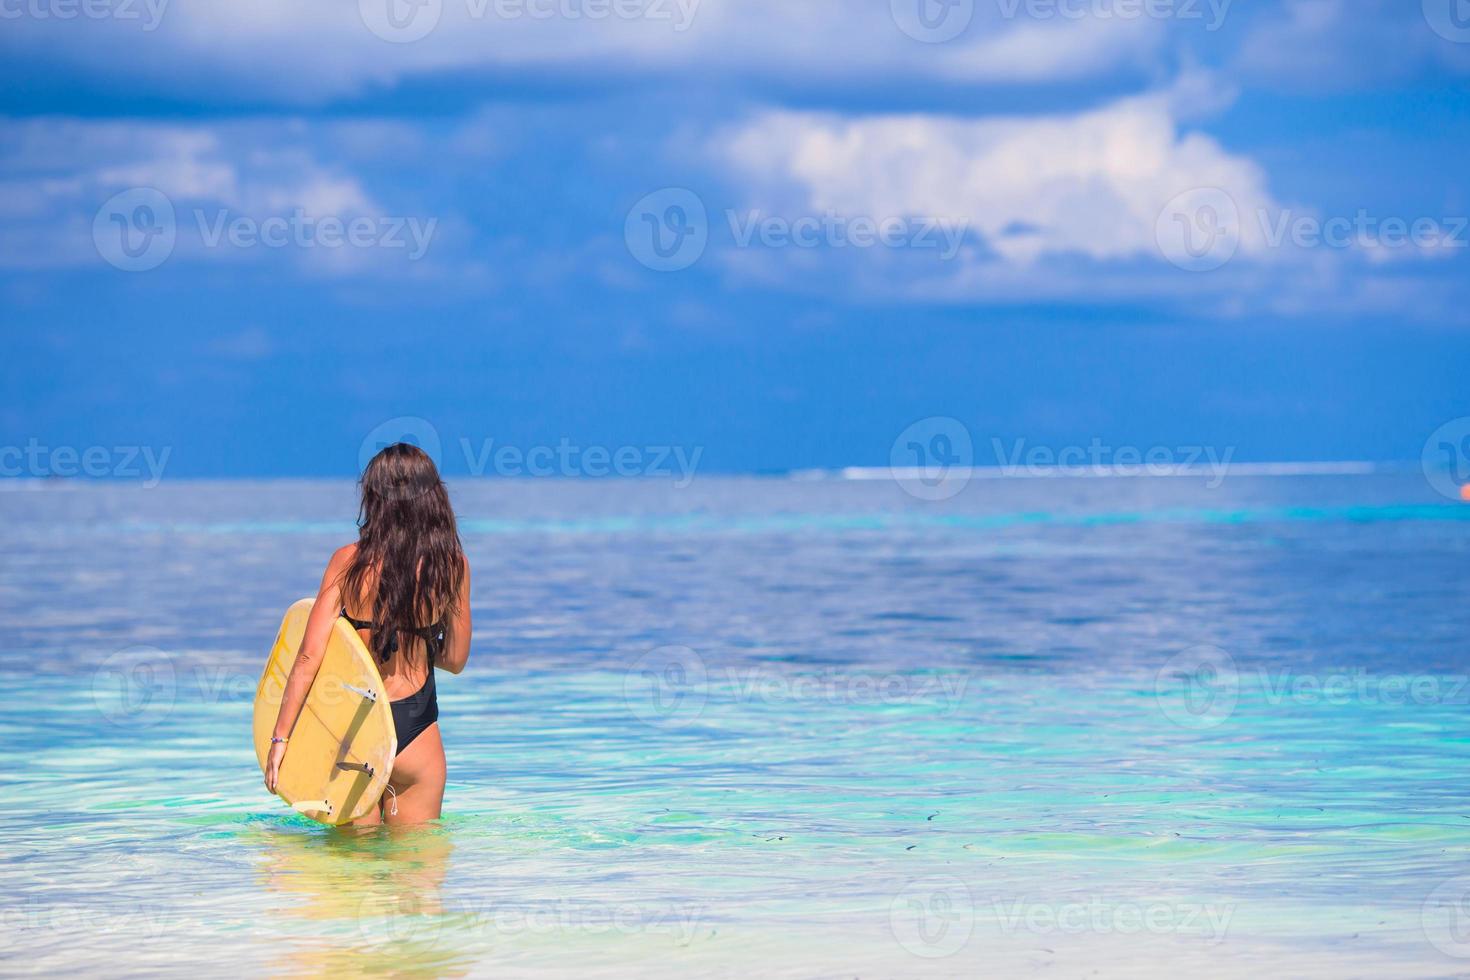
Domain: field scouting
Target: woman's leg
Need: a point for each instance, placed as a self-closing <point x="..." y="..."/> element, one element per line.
<point x="370" y="819"/>
<point x="418" y="779"/>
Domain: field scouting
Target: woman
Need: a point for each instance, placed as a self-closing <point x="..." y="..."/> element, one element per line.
<point x="405" y="585"/>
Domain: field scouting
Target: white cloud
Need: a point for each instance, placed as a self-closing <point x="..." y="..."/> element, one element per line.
<point x="303" y="54"/>
<point x="1070" y="207"/>
<point x="1089" y="184"/>
<point x="63" y="170"/>
<point x="1050" y="51"/>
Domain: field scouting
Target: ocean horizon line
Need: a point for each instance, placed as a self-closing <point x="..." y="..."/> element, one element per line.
<point x="849" y="473"/>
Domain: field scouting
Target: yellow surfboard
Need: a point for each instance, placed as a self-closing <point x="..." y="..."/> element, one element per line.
<point x="341" y="752"/>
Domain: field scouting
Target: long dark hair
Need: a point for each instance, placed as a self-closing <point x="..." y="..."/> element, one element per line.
<point x="409" y="560"/>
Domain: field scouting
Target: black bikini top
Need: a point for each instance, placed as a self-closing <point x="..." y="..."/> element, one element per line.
<point x="433" y="636"/>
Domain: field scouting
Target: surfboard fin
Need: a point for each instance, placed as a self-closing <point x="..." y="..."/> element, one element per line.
<point x="313" y="806"/>
<point x="360" y="692"/>
<point x="358" y="767"/>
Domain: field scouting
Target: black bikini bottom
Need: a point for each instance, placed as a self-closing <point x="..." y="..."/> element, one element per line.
<point x="411" y="715"/>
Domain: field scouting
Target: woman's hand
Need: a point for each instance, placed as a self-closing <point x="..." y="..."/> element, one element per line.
<point x="273" y="765"/>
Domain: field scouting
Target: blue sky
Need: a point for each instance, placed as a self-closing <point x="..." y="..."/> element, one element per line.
<point x="1034" y="175"/>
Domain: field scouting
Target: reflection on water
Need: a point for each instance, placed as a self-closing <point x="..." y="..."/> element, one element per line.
<point x="773" y="729"/>
<point x="387" y="880"/>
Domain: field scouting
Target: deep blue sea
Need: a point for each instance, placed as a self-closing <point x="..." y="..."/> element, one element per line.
<point x="768" y="727"/>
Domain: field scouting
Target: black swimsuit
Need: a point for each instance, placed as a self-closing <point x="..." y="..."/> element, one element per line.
<point x="413" y="714"/>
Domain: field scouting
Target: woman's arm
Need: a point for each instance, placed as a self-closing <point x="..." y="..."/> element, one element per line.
<point x="308" y="659"/>
<point x="457" y="639"/>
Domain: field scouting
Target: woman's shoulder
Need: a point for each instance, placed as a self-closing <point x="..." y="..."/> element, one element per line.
<point x="343" y="556"/>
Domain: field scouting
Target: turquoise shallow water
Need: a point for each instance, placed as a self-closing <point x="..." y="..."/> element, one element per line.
<point x="1112" y="728"/>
